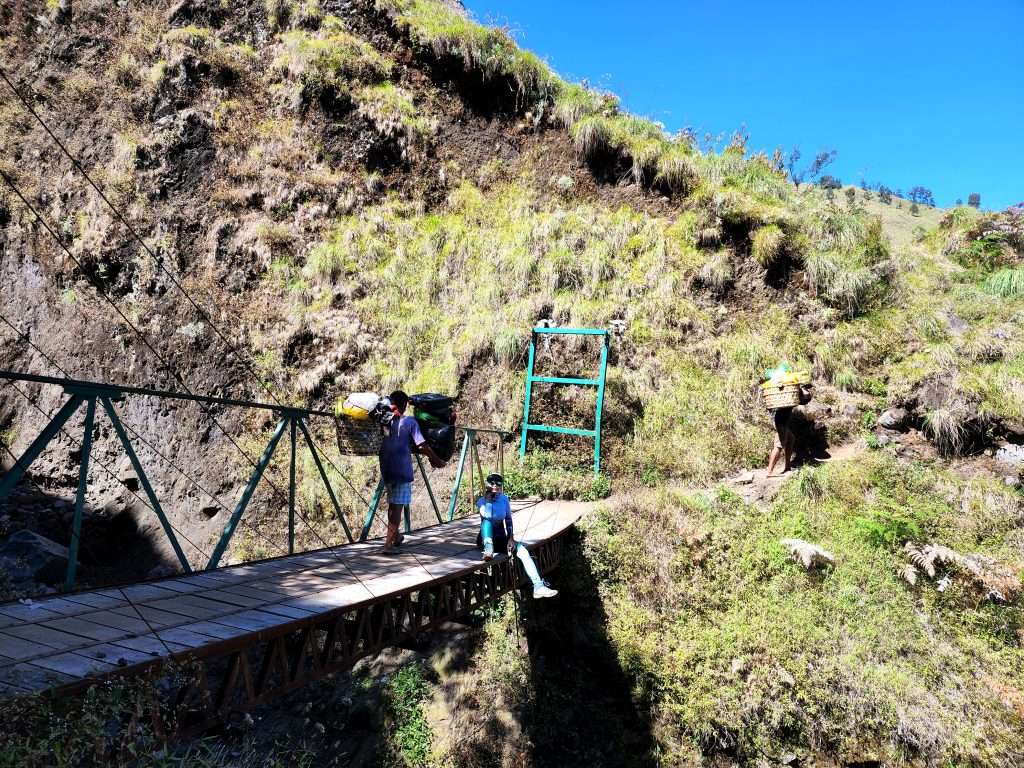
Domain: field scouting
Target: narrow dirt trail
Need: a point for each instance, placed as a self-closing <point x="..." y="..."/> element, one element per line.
<point x="757" y="487"/>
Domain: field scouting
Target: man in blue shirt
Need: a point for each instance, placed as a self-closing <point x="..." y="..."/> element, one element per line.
<point x="496" y="531"/>
<point x="402" y="438"/>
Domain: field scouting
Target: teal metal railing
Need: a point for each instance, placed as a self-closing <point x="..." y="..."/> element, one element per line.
<point x="291" y="421"/>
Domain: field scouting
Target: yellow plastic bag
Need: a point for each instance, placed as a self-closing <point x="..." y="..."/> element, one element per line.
<point x="359" y="405"/>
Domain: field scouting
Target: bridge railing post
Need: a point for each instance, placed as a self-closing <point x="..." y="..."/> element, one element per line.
<point x="371" y="510"/>
<point x="50" y="431"/>
<point x="108" y="406"/>
<point x="327" y="482"/>
<point x="250" y="488"/>
<point x="83" y="478"/>
<point x="430" y="493"/>
<point x="291" y="485"/>
<point x="454" y="501"/>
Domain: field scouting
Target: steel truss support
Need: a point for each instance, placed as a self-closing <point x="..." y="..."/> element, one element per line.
<point x="219" y="679"/>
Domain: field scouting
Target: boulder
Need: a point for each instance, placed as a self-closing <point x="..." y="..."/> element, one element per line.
<point x="1011" y="454"/>
<point x="45" y="559"/>
<point x="895" y="419"/>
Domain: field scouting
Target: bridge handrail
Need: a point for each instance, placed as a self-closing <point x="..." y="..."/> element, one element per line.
<point x="170" y="394"/>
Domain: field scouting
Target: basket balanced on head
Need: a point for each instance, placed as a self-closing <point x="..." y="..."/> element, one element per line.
<point x="359" y="424"/>
<point x="784" y="387"/>
<point x="780" y="395"/>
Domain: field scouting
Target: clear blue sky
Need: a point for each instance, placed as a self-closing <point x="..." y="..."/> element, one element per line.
<point x="908" y="92"/>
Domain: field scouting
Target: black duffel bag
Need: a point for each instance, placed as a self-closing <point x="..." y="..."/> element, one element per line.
<point x="433" y="409"/>
<point x="441" y="440"/>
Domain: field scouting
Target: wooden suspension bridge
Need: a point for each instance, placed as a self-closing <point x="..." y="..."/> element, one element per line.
<point x="252" y="631"/>
<point x="258" y="630"/>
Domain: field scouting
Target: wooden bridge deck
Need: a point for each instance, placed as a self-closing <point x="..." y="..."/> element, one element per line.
<point x="65" y="640"/>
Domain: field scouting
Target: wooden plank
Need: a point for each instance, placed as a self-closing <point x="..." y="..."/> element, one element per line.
<point x="34" y="633"/>
<point x="74" y="665"/>
<point x="27" y="612"/>
<point x="338" y="597"/>
<point x="232" y="600"/>
<point x="128" y="622"/>
<point x="264" y="595"/>
<point x="185" y="637"/>
<point x="62" y="606"/>
<point x="188" y="605"/>
<point x="96" y="600"/>
<point x="26" y="677"/>
<point x="19" y="649"/>
<point x="200" y="580"/>
<point x="287" y="611"/>
<point x="8" y="621"/>
<point x="150" y="645"/>
<point x="218" y="631"/>
<point x="154" y="618"/>
<point x="181" y="585"/>
<point x="251" y="620"/>
<point x="216" y="607"/>
<point x="118" y="655"/>
<point x="78" y="626"/>
<point x="145" y="592"/>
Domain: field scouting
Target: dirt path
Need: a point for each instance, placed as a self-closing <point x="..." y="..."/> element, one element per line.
<point x="756" y="487"/>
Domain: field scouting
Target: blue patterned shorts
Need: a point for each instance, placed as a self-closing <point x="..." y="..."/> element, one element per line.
<point x="399" y="493"/>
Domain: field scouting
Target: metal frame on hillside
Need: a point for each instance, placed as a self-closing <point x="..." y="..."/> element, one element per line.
<point x="531" y="379"/>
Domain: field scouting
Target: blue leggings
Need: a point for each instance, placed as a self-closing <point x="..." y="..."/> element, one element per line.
<point x="487" y="541"/>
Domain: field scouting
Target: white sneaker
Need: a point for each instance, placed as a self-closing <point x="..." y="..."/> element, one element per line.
<point x="544" y="591"/>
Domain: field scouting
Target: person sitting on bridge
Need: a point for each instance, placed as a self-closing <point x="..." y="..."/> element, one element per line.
<point x="403" y="437"/>
<point x="496" y="530"/>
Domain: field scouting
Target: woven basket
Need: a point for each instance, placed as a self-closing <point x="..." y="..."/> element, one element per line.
<point x="781" y="395"/>
<point x="359" y="437"/>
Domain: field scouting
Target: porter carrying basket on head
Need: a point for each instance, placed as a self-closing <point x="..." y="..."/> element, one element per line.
<point x="359" y="437"/>
<point x="780" y="395"/>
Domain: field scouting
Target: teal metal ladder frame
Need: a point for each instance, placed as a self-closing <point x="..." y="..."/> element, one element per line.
<point x="531" y="379"/>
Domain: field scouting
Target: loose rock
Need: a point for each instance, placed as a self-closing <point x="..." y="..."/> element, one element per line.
<point x="894" y="419"/>
<point x="45" y="559"/>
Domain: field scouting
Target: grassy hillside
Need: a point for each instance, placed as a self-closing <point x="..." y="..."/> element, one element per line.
<point x="379" y="194"/>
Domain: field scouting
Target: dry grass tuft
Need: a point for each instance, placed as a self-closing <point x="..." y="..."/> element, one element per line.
<point x="766" y="244"/>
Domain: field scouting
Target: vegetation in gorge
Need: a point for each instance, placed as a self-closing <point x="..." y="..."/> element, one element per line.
<point x="736" y="648"/>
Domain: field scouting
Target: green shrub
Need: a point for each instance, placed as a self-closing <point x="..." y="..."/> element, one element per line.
<point x="574" y="102"/>
<point x="546" y="475"/>
<point x="487" y="51"/>
<point x="332" y="60"/>
<point x="736" y="649"/>
<point x="392" y="111"/>
<point x="409" y="735"/>
<point x="1006" y="283"/>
